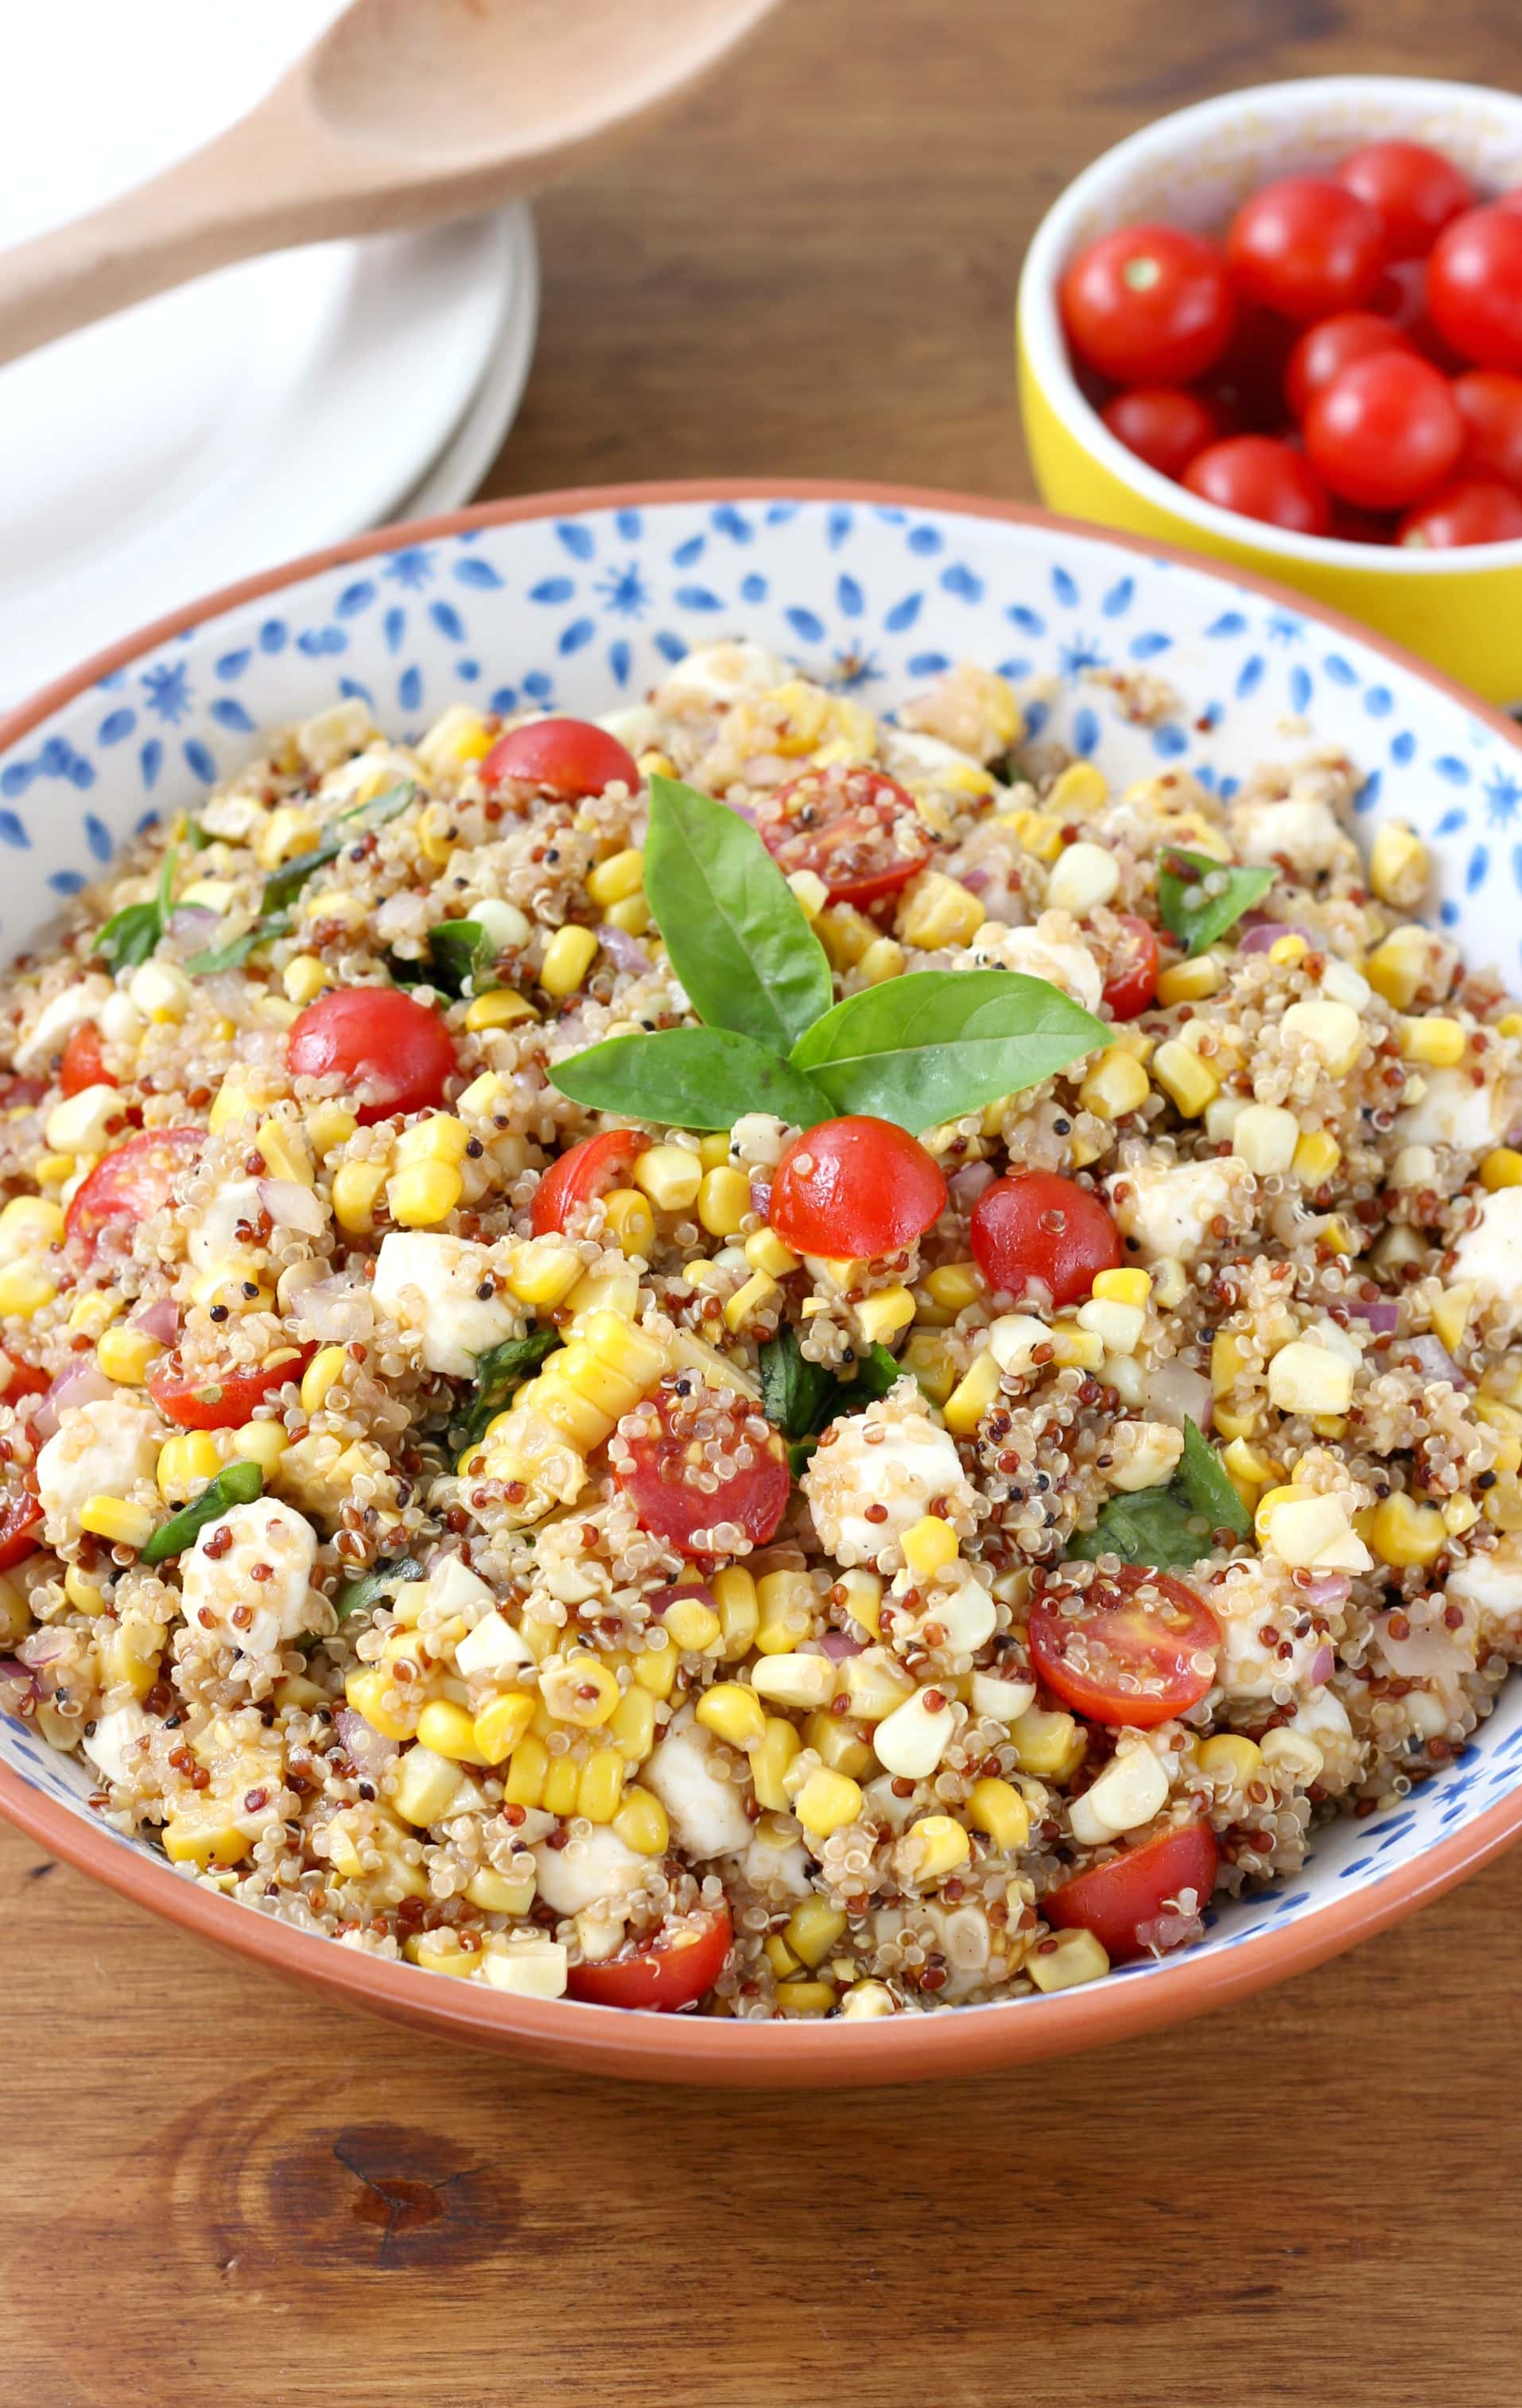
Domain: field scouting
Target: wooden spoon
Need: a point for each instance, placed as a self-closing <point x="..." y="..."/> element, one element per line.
<point x="405" y="111"/>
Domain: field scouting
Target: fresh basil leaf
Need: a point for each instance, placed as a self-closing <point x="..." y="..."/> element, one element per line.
<point x="198" y="835"/>
<point x="689" y="1078"/>
<point x="352" y="1595"/>
<point x="928" y="1047"/>
<point x="233" y="956"/>
<point x="284" y="884"/>
<point x="794" y="1391"/>
<point x="876" y="1371"/>
<point x="131" y="935"/>
<point x="498" y="1372"/>
<point x="734" y="929"/>
<point x="1179" y="877"/>
<point x="238" y="1485"/>
<point x="459" y="951"/>
<point x="1201" y="1477"/>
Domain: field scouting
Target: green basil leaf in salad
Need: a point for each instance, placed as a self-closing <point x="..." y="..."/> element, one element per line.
<point x="498" y="1371"/>
<point x="929" y="1046"/>
<point x="233" y="956"/>
<point x="734" y="930"/>
<point x="240" y="1484"/>
<point x="284" y="884"/>
<point x="354" y="1596"/>
<point x="1202" y="1478"/>
<point x="802" y="1398"/>
<point x="689" y="1078"/>
<point x="460" y="952"/>
<point x="1170" y="1529"/>
<point x="1198" y="918"/>
<point x="132" y="934"/>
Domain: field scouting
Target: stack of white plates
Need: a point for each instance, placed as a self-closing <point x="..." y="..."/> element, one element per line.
<point x="269" y="410"/>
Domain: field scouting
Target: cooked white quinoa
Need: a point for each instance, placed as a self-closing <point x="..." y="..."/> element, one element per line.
<point x="512" y="1765"/>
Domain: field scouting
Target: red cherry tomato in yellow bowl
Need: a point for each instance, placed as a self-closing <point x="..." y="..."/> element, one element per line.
<point x="378" y="1038"/>
<point x="1136" y="1649"/>
<point x="1148" y="305"/>
<point x="1305" y="246"/>
<point x="1413" y="191"/>
<point x="1474" y="287"/>
<point x="1261" y="478"/>
<point x="855" y="1188"/>
<point x="674" y="1970"/>
<point x="1035" y="1228"/>
<point x="1472" y="510"/>
<point x="1323" y="350"/>
<point x="564" y="757"/>
<point x="1385" y="430"/>
<point x="1164" y="425"/>
<point x="1490" y="404"/>
<point x="1129" y="1903"/>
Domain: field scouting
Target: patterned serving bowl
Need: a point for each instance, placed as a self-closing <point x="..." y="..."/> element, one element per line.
<point x="579" y="601"/>
<point x="1460" y="610"/>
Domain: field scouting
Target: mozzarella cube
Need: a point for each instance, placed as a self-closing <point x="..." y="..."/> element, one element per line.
<point x="1168" y="1209"/>
<point x="103" y="1449"/>
<point x="212" y="1238"/>
<point x="1452" y="1110"/>
<point x="1490" y="1253"/>
<point x="884" y="1457"/>
<point x="256" y="1591"/>
<point x="35" y="1047"/>
<point x="588" y="1871"/>
<point x="430" y="1283"/>
<point x="1305" y="833"/>
<point x="1052" y="951"/>
<point x="706" y="1811"/>
<point x="719" y="674"/>
<point x="494" y="1646"/>
<point x="115" y="1745"/>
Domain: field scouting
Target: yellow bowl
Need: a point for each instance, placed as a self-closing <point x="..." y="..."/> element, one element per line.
<point x="1460" y="610"/>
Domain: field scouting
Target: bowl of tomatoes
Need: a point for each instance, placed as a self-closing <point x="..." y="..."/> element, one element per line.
<point x="1284" y="327"/>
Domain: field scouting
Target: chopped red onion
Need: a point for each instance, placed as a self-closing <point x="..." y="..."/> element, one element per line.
<point x="761" y="1197"/>
<point x="1265" y="933"/>
<point x="1384" y="1318"/>
<point x="78" y="1384"/>
<point x="975" y="880"/>
<point x="334" y="1312"/>
<point x="291" y="1206"/>
<point x="1324" y="1661"/>
<point x="679" y="1589"/>
<point x="22" y="1682"/>
<point x="1177" y="1394"/>
<point x="366" y="1748"/>
<point x="191" y="922"/>
<point x="968" y="1184"/>
<point x="837" y="1646"/>
<point x="1430" y="1355"/>
<point x="624" y="951"/>
<point x="40" y="1648"/>
<point x="160" y="1320"/>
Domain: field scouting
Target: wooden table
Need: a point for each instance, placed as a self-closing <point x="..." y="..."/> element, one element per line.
<point x="217" y="2194"/>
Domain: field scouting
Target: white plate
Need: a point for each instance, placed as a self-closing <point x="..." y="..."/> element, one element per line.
<point x="475" y="443"/>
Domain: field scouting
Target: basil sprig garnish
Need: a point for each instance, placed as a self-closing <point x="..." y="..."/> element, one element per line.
<point x="498" y="1371"/>
<point x="917" y="1049"/>
<point x="802" y="1398"/>
<point x="233" y="956"/>
<point x="1195" y="918"/>
<point x="352" y="1595"/>
<point x="1172" y="1527"/>
<point x="284" y="884"/>
<point x="131" y="935"/>
<point x="238" y="1485"/>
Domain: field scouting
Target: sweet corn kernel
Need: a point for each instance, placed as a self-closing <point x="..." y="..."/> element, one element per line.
<point x="320" y="1375"/>
<point x="670" y="1176"/>
<point x="197" y="1838"/>
<point x="691" y="1624"/>
<point x="24" y="1291"/>
<point x="943" y="1845"/>
<point x="124" y="1355"/>
<point x="1074" y="1348"/>
<point x="1191" y="981"/>
<point x="1189" y="1081"/>
<point x="812" y="1930"/>
<point x="451" y="1731"/>
<point x="1333" y="1031"/>
<point x="55" y="1169"/>
<point x="1450" y="1315"/>
<point x="457" y="736"/>
<point x="641" y="1823"/>
<point x="498" y="1893"/>
<point x="560" y="1785"/>
<point x="1501" y="1168"/>
<point x="568" y="958"/>
<point x="581" y="1689"/>
<point x="757" y="1295"/>
<point x="28" y="1223"/>
<point x="766" y="1251"/>
<point x="936" y="911"/>
<point x="304" y="978"/>
<point x="631" y="1726"/>
<point x="1436" y="1041"/>
<point x="867" y="2002"/>
<point x="1066" y="1959"/>
<point x="522" y="1784"/>
<point x="806" y="1997"/>
<point x="1316" y="1158"/>
<point x="113" y="1517"/>
<point x="1039" y="832"/>
<point x="827" y="1802"/>
<point x="499" y="1008"/>
<point x="733" y="1591"/>
<point x="733" y="1712"/>
<point x="1286" y="950"/>
<point x="1310" y="1532"/>
<point x="1398" y="864"/>
<point x="1078" y="789"/>
<point x="997" y="1808"/>
<point x="838" y="1744"/>
<point x="801" y="1681"/>
<point x="779" y="1743"/>
<point x="630" y="1222"/>
<point x="956" y="1286"/>
<point x="929" y="1545"/>
<point x="714" y="1149"/>
<point x="724" y="1201"/>
<point x="846" y="935"/>
<point x="1395" y="968"/>
<point x="1402" y="1533"/>
<point x="328" y="1126"/>
<point x="1118" y="1084"/>
<point x="1307" y="1379"/>
<point x="1265" y="1138"/>
<point x="1117" y="1326"/>
<point x="622" y="874"/>
<point x="423" y="1194"/>
<point x="927" y="1356"/>
<point x="444" y="1951"/>
<point x="883" y="960"/>
<point x="881" y="1316"/>
<point x="543" y="1271"/>
<point x="1123" y="1287"/>
<point x="1048" y="1745"/>
<point x="429" y="1787"/>
<point x="1459" y="1514"/>
<point x="655" y="1670"/>
<point x="1231" y="1758"/>
<point x="1084" y="876"/>
<point x="785" y="1608"/>
<point x="186" y="1463"/>
<point x="286" y="833"/>
<point x="356" y="1191"/>
<point x="259" y="1443"/>
<point x="599" y="1791"/>
<point x="970" y="1399"/>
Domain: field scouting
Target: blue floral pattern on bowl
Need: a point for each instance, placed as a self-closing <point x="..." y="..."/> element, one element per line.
<point x="582" y="612"/>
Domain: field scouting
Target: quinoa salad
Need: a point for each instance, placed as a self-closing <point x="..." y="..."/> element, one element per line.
<point x="755" y="1358"/>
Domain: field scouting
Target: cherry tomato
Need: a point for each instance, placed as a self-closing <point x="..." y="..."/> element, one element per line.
<point x="1474" y="287"/>
<point x="1031" y="1226"/>
<point x="1259" y="477"/>
<point x="377" y="1037"/>
<point x="1148" y="305"/>
<point x="1472" y="510"/>
<point x="664" y="1974"/>
<point x="660" y="1455"/>
<point x="1163" y="425"/>
<point x="1490" y="406"/>
<point x="222" y="1400"/>
<point x="81" y="1065"/>
<point x="568" y="757"/>
<point x="1362" y="526"/>
<point x="1305" y="246"/>
<point x="132" y="1182"/>
<point x="852" y="826"/>
<point x="1413" y="191"/>
<point x="1385" y="430"/>
<point x="1247" y="386"/>
<point x="19" y="1379"/>
<point x="1323" y="352"/>
<point x="1132" y="982"/>
<point x="1121" y="1903"/>
<point x="1129" y="1650"/>
<point x="1512" y="200"/>
<point x="855" y="1188"/>
<point x="577" y="1178"/>
<point x="19" y="1514"/>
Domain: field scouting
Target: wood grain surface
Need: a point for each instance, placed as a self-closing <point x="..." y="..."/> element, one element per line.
<point x="217" y="2193"/>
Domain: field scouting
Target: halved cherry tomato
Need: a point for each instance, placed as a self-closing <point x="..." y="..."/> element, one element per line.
<point x="81" y="1065"/>
<point x="1122" y="1902"/>
<point x="1413" y="191"/>
<point x="1323" y="350"/>
<point x="1305" y="246"/>
<point x="1129" y="1650"/>
<point x="665" y="1975"/>
<point x="377" y="1037"/>
<point x="1132" y="983"/>
<point x="20" y="1513"/>
<point x="855" y="1189"/>
<point x="577" y="1178"/>
<point x="1033" y="1226"/>
<point x="1472" y="510"/>
<point x="1474" y="287"/>
<point x="1259" y="477"/>
<point x="567" y="757"/>
<point x="1490" y="406"/>
<point x="662" y="1452"/>
<point x="1148" y="305"/>
<point x="1164" y="425"/>
<point x="223" y="1400"/>
<point x="1385" y="430"/>
<point x="854" y="828"/>
<point x="132" y="1182"/>
<point x="19" y="1379"/>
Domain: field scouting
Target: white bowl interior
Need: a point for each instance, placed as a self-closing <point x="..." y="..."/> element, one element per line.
<point x="586" y="610"/>
<point x="1195" y="168"/>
